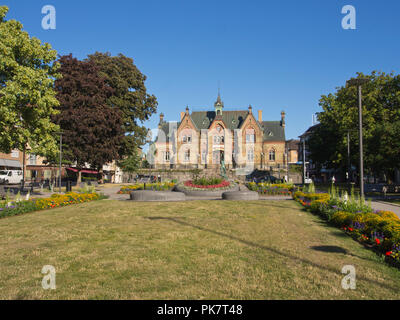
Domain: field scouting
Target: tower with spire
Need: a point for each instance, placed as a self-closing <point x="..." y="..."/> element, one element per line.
<point x="218" y="105"/>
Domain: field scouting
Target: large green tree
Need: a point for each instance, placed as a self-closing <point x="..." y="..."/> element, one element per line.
<point x="92" y="129"/>
<point x="27" y="95"/>
<point x="130" y="97"/>
<point x="381" y="125"/>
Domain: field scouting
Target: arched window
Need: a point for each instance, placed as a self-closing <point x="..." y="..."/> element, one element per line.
<point x="250" y="136"/>
<point x="272" y="155"/>
<point x="219" y="135"/>
<point x="187" y="155"/>
<point x="250" y="155"/>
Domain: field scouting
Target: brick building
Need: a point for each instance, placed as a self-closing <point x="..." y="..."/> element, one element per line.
<point x="205" y="139"/>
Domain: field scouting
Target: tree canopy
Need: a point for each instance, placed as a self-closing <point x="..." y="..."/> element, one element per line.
<point x="129" y="96"/>
<point x="92" y="129"/>
<point x="27" y="95"/>
<point x="381" y="125"/>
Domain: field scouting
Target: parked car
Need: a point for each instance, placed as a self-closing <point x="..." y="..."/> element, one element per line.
<point x="256" y="174"/>
<point x="11" y="176"/>
<point x="268" y="179"/>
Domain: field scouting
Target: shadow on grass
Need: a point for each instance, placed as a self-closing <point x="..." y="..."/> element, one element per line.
<point x="272" y="250"/>
<point x="330" y="249"/>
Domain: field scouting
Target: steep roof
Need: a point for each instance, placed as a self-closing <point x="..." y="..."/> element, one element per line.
<point x="273" y="131"/>
<point x="310" y="130"/>
<point x="167" y="127"/>
<point x="232" y="119"/>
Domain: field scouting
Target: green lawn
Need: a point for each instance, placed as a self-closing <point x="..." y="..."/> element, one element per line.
<point x="187" y="250"/>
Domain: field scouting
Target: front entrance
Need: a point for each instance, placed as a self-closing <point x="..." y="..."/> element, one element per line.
<point x="218" y="155"/>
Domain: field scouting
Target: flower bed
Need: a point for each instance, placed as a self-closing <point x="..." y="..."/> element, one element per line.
<point x="165" y="186"/>
<point x="377" y="230"/>
<point x="55" y="201"/>
<point x="222" y="184"/>
<point x="280" y="189"/>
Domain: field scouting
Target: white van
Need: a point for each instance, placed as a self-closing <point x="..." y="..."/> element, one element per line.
<point x="10" y="176"/>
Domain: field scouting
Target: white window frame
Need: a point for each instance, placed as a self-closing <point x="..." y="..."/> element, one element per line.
<point x="272" y="152"/>
<point x="187" y="155"/>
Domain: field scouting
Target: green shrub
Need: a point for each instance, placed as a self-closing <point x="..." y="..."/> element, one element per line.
<point x="203" y="181"/>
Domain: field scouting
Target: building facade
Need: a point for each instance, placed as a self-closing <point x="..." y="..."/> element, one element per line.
<point x="12" y="161"/>
<point x="208" y="139"/>
<point x="292" y="147"/>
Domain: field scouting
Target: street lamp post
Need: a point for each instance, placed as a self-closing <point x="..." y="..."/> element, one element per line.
<point x="287" y="164"/>
<point x="359" y="82"/>
<point x="348" y="161"/>
<point x="262" y="160"/>
<point x="60" y="161"/>
<point x="304" y="161"/>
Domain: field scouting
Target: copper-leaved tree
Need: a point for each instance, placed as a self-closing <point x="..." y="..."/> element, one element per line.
<point x="92" y="129"/>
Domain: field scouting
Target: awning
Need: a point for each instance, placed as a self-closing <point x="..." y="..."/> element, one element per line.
<point x="83" y="170"/>
<point x="10" y="163"/>
<point x="89" y="171"/>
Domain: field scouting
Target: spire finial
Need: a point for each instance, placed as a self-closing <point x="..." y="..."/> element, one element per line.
<point x="218" y="105"/>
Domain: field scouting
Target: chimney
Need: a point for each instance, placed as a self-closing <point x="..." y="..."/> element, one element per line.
<point x="283" y="114"/>
<point x="182" y="115"/>
<point x="260" y="116"/>
<point x="250" y="109"/>
<point x="161" y="117"/>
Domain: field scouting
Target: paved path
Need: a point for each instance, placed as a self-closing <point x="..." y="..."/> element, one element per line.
<point x="112" y="194"/>
<point x="386" y="207"/>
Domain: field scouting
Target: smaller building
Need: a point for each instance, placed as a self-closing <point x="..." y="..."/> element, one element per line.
<point x="292" y="147"/>
<point x="11" y="161"/>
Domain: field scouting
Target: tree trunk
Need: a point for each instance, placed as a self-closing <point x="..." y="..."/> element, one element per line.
<point x="79" y="180"/>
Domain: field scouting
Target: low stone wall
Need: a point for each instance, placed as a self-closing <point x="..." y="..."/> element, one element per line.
<point x="148" y="195"/>
<point x="184" y="175"/>
<point x="204" y="193"/>
<point x="240" y="195"/>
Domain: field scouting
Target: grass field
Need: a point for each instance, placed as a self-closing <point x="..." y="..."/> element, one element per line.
<point x="188" y="250"/>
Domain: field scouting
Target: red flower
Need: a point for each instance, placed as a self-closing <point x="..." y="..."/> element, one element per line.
<point x="388" y="253"/>
<point x="377" y="241"/>
<point x="351" y="229"/>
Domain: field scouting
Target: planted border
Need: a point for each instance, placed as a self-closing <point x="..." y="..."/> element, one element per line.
<point x="165" y="186"/>
<point x="280" y="189"/>
<point x="55" y="201"/>
<point x="376" y="230"/>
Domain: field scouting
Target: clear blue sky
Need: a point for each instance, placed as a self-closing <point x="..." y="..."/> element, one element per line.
<point x="274" y="55"/>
